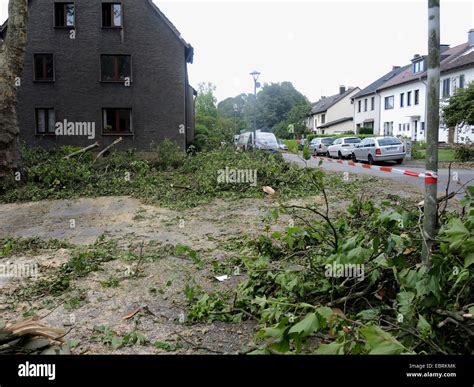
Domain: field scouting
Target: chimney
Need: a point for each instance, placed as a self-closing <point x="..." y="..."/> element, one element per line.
<point x="443" y="48"/>
<point x="342" y="89"/>
<point x="470" y="37"/>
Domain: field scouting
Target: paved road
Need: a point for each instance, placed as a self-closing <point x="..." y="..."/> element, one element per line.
<point x="464" y="175"/>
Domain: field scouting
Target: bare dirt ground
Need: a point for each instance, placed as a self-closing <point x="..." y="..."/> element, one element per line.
<point x="156" y="297"/>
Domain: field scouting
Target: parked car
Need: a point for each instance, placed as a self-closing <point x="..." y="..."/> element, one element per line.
<point x="319" y="145"/>
<point x="282" y="145"/>
<point x="373" y="149"/>
<point x="342" y="147"/>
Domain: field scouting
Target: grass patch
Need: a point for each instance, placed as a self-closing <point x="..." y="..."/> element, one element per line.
<point x="443" y="154"/>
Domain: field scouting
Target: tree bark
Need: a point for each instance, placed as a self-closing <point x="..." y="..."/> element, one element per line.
<point x="12" y="53"/>
<point x="430" y="220"/>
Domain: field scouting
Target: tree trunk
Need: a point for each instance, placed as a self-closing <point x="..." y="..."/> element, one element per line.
<point x="12" y="52"/>
<point x="430" y="221"/>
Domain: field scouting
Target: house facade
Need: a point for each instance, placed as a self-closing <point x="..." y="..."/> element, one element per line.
<point x="99" y="70"/>
<point x="403" y="98"/>
<point x="334" y="114"/>
<point x="366" y="103"/>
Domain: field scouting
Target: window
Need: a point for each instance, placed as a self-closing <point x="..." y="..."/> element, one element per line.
<point x="365" y="105"/>
<point x="409" y="98"/>
<point x="117" y="121"/>
<point x="45" y="121"/>
<point x="446" y="87"/>
<point x="44" y="67"/>
<point x="399" y="127"/>
<point x="64" y="15"/>
<point x="417" y="97"/>
<point x="115" y="68"/>
<point x="359" y="106"/>
<point x="461" y="81"/>
<point x="111" y="15"/>
<point x="323" y="118"/>
<point x="422" y="126"/>
<point x="372" y="103"/>
<point x="418" y="67"/>
<point x="402" y="97"/>
<point x="388" y="141"/>
<point x="389" y="102"/>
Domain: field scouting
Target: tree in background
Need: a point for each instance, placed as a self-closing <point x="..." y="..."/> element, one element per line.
<point x="297" y="117"/>
<point x="12" y="52"/>
<point x="275" y="101"/>
<point x="237" y="109"/>
<point x="459" y="112"/>
<point x="278" y="106"/>
<point x="211" y="128"/>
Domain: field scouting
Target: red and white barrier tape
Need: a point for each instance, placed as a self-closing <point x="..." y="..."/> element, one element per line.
<point x="429" y="176"/>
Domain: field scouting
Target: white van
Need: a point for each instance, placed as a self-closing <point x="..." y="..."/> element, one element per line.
<point x="265" y="141"/>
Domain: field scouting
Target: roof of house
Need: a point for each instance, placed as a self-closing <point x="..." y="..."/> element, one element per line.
<point x="189" y="48"/>
<point x="335" y="122"/>
<point x="372" y="88"/>
<point x="326" y="102"/>
<point x="453" y="58"/>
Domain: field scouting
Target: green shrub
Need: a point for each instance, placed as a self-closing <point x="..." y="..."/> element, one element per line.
<point x="365" y="130"/>
<point x="169" y="154"/>
<point x="464" y="152"/>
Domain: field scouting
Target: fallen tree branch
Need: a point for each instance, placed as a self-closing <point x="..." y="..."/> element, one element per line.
<point x="83" y="150"/>
<point x="107" y="148"/>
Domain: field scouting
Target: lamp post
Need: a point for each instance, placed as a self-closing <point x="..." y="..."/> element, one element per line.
<point x="255" y="74"/>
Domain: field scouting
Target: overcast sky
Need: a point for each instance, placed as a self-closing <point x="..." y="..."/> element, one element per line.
<point x="316" y="45"/>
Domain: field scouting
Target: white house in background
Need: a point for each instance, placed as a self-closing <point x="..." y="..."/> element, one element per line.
<point x="403" y="98"/>
<point x="334" y="114"/>
<point x="366" y="103"/>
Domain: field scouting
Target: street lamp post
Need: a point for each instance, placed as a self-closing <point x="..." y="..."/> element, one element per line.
<point x="255" y="74"/>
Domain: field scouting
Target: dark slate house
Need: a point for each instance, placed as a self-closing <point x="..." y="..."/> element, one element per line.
<point x="96" y="70"/>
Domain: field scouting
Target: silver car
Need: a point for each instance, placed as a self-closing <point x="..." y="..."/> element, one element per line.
<point x="373" y="149"/>
<point x="342" y="147"/>
<point x="319" y="145"/>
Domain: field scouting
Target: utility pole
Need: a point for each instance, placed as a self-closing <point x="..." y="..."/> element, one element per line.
<point x="430" y="220"/>
<point x="255" y="75"/>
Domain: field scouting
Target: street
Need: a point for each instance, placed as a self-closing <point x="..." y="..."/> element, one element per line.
<point x="464" y="175"/>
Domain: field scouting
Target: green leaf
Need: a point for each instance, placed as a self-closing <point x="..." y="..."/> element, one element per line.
<point x="117" y="342"/>
<point x="275" y="331"/>
<point x="306" y="153"/>
<point x="368" y="314"/>
<point x="306" y="326"/>
<point x="469" y="260"/>
<point x="333" y="348"/>
<point x="325" y="313"/>
<point x="423" y="326"/>
<point x="456" y="233"/>
<point x="73" y="343"/>
<point x="405" y="303"/>
<point x="381" y="342"/>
